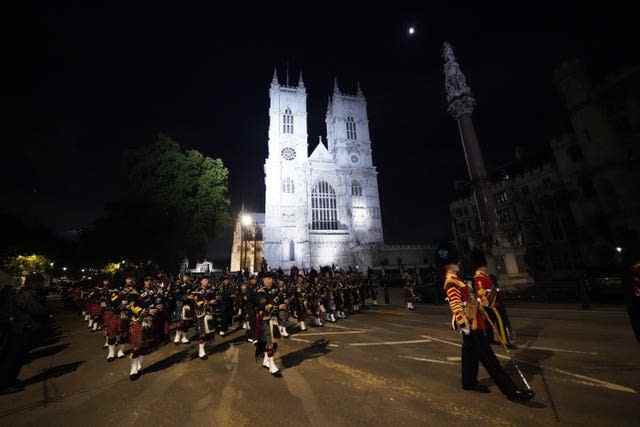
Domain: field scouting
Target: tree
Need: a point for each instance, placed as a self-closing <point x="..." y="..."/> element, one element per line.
<point x="173" y="202"/>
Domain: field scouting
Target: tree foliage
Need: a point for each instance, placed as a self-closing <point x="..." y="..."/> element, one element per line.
<point x="173" y="202"/>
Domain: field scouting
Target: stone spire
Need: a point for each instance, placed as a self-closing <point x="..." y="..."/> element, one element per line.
<point x="300" y="81"/>
<point x="336" y="89"/>
<point x="460" y="100"/>
<point x="360" y="93"/>
<point x="274" y="81"/>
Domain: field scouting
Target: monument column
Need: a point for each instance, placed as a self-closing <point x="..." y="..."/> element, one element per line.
<point x="460" y="104"/>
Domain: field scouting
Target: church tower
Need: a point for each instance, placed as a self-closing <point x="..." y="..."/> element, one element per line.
<point x="350" y="145"/>
<point x="286" y="232"/>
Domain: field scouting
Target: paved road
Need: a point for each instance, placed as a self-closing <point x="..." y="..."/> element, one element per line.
<point x="385" y="366"/>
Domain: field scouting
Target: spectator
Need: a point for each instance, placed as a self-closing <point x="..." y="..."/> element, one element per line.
<point x="20" y="312"/>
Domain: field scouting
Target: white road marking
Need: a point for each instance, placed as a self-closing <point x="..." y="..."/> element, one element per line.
<point x="299" y="339"/>
<point x="592" y="381"/>
<point x="332" y="333"/>
<point x="364" y="344"/>
<point x="422" y="359"/>
<point x="454" y="359"/>
<point x="330" y="325"/>
<point x="334" y="345"/>
<point x="455" y="344"/>
<point x="533" y="347"/>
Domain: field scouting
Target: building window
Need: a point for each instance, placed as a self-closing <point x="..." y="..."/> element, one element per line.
<point x="324" y="212"/>
<point x="351" y="128"/>
<point x="288" y="186"/>
<point x="292" y="250"/>
<point x="287" y="121"/>
<point x="356" y="189"/>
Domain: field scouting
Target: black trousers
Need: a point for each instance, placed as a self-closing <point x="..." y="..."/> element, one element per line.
<point x="476" y="349"/>
<point x="12" y="358"/>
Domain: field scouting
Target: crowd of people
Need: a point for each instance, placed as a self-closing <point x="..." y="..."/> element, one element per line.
<point x="136" y="317"/>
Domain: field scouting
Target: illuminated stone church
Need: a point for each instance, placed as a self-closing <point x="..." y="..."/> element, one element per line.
<point x="320" y="209"/>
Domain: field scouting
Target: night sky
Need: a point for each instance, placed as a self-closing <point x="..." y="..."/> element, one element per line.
<point x="88" y="82"/>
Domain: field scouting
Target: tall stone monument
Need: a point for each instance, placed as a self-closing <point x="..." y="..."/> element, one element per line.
<point x="501" y="254"/>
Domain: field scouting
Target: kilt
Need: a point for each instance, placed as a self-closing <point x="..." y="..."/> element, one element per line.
<point x="94" y="309"/>
<point x="136" y="335"/>
<point x="115" y="326"/>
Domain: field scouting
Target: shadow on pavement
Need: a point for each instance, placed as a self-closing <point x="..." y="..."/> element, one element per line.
<point x="316" y="349"/>
<point x="46" y="351"/>
<point x="167" y="362"/>
<point x="53" y="372"/>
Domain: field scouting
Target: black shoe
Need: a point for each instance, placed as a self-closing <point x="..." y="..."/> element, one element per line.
<point x="110" y="359"/>
<point x="134" y="377"/>
<point x="521" y="396"/>
<point x="479" y="388"/>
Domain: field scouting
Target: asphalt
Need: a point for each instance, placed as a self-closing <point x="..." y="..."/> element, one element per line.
<point x="383" y="366"/>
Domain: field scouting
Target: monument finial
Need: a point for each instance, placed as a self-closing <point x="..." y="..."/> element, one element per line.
<point x="336" y="89"/>
<point x="460" y="100"/>
<point x="300" y="81"/>
<point x="274" y="81"/>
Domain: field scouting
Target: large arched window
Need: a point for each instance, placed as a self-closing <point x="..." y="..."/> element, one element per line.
<point x="324" y="212"/>
<point x="351" y="128"/>
<point x="288" y="186"/>
<point x="292" y="250"/>
<point x="287" y="121"/>
<point x="356" y="189"/>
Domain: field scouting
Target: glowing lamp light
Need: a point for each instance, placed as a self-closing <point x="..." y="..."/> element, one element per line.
<point x="618" y="249"/>
<point x="64" y="268"/>
<point x="246" y="219"/>
<point x="51" y="264"/>
<point x="83" y="270"/>
<point x="412" y="31"/>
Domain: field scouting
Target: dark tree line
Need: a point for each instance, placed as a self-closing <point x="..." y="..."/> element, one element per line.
<point x="172" y="203"/>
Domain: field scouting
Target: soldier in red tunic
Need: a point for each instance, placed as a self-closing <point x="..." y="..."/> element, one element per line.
<point x="469" y="319"/>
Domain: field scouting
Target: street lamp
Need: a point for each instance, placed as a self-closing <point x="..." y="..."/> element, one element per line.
<point x="246" y="220"/>
<point x="64" y="268"/>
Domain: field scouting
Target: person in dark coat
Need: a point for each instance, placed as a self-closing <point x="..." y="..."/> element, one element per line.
<point x="21" y="313"/>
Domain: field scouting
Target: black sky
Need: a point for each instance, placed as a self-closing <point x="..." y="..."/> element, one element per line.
<point x="89" y="81"/>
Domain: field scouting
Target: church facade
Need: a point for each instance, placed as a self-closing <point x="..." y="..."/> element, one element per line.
<point x="324" y="208"/>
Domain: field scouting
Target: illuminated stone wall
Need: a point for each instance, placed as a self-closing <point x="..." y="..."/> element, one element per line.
<point x="291" y="236"/>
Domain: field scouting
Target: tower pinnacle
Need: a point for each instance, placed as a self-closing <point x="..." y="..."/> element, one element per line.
<point x="336" y="89"/>
<point x="360" y="93"/>
<point x="300" y="81"/>
<point x="460" y="100"/>
<point x="274" y="81"/>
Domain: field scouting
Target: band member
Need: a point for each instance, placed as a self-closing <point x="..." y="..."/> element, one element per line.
<point x="137" y="314"/>
<point x="203" y="299"/>
<point x="114" y="324"/>
<point x="409" y="292"/>
<point x="266" y="344"/>
<point x="492" y="303"/>
<point x="470" y="321"/>
<point x="182" y="311"/>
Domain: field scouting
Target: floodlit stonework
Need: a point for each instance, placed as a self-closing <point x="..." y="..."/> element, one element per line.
<point x="323" y="208"/>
